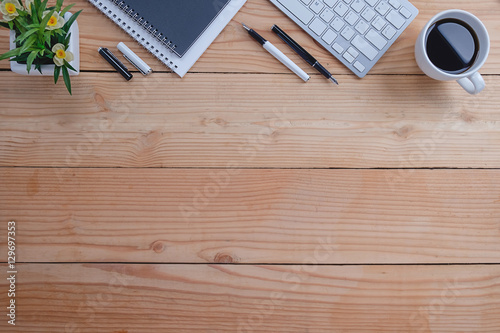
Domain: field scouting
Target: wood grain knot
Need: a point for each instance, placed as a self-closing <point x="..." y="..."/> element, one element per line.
<point x="218" y="121"/>
<point x="158" y="246"/>
<point x="101" y="102"/>
<point x="467" y="117"/>
<point x="404" y="132"/>
<point x="151" y="138"/>
<point x="224" y="258"/>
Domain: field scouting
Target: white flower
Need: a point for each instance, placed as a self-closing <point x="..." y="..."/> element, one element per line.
<point x="9" y="9"/>
<point x="55" y="22"/>
<point x="27" y="4"/>
<point x="60" y="54"/>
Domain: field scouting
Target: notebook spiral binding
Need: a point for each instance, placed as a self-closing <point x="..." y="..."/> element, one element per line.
<point x="144" y="25"/>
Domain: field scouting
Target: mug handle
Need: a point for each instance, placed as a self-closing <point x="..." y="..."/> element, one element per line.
<point x="473" y="84"/>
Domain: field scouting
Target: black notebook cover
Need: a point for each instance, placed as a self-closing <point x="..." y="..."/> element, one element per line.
<point x="181" y="22"/>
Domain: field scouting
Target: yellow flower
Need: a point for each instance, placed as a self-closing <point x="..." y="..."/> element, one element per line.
<point x="55" y="22"/>
<point x="60" y="55"/>
<point x="9" y="9"/>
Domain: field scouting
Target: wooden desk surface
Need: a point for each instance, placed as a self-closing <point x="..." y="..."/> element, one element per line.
<point x="240" y="199"/>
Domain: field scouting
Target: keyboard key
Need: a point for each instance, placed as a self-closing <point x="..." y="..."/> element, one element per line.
<point x="395" y="3"/>
<point x="297" y="9"/>
<point x="317" y="6"/>
<point x="338" y="48"/>
<point x="377" y="40"/>
<point x="359" y="66"/>
<point x="337" y="24"/>
<point x="348" y="57"/>
<point x="327" y="15"/>
<point x="318" y="26"/>
<point x="347" y="33"/>
<point x="341" y="9"/>
<point x="330" y="3"/>
<point x="389" y="32"/>
<point x="361" y="27"/>
<point x="358" y="5"/>
<point x="405" y="12"/>
<point x="368" y="14"/>
<point x="352" y="51"/>
<point x="307" y="2"/>
<point x="351" y="18"/>
<point x="396" y="20"/>
<point x="329" y="36"/>
<point x="378" y="23"/>
<point x="347" y="1"/>
<point x="371" y="2"/>
<point x="382" y="7"/>
<point x="362" y="45"/>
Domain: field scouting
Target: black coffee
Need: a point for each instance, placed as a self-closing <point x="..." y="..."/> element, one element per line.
<point x="452" y="45"/>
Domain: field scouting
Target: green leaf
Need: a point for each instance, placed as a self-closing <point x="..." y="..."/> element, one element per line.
<point x="47" y="36"/>
<point x="11" y="25"/>
<point x="25" y="35"/>
<point x="69" y="66"/>
<point x="45" y="20"/>
<point x="66" y="40"/>
<point x="34" y="11"/>
<point x="37" y="4"/>
<point x="11" y="53"/>
<point x="59" y="4"/>
<point x="66" y="78"/>
<point x="42" y="8"/>
<point x="23" y="22"/>
<point x="19" y="27"/>
<point x="28" y="43"/>
<point x="4" y="24"/>
<point x="72" y="19"/>
<point x="57" y="72"/>
<point x="30" y="60"/>
<point x="38" y="44"/>
<point x="65" y="10"/>
<point x="21" y="58"/>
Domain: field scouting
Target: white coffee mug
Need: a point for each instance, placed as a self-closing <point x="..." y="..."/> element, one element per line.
<point x="470" y="80"/>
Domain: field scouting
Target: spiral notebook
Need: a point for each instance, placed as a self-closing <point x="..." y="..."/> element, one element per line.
<point x="177" y="32"/>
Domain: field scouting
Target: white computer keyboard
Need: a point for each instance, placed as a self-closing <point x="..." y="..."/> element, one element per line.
<point x="357" y="32"/>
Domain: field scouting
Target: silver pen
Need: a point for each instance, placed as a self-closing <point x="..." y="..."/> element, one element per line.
<point x="277" y="54"/>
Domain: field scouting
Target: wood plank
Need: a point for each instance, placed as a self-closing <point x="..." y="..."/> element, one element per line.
<point x="234" y="51"/>
<point x="210" y="120"/>
<point x="213" y="298"/>
<point x="252" y="216"/>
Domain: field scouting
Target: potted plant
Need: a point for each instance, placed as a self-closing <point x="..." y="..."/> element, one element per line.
<point x="43" y="39"/>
